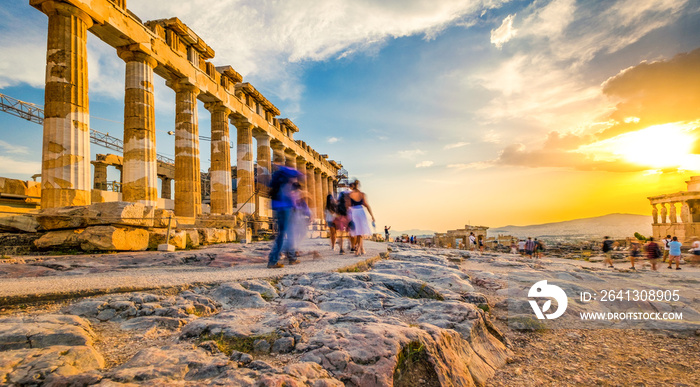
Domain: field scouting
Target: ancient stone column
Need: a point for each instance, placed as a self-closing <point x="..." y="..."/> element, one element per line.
<point x="220" y="173"/>
<point x="140" y="177"/>
<point x="244" y="167"/>
<point x="320" y="199"/>
<point x="301" y="164"/>
<point x="324" y="195"/>
<point x="311" y="190"/>
<point x="188" y="196"/>
<point x="65" y="166"/>
<point x="278" y="157"/>
<point x="290" y="158"/>
<point x="329" y="186"/>
<point x="654" y="213"/>
<point x="100" y="176"/>
<point x="165" y="188"/>
<point x="262" y="139"/>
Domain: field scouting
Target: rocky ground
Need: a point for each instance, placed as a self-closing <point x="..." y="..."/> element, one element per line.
<point x="418" y="317"/>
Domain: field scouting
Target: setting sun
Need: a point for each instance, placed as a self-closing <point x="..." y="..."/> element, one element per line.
<point x="659" y="146"/>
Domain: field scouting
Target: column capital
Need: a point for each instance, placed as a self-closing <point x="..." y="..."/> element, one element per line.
<point x="216" y="107"/>
<point x="182" y="85"/>
<point x="137" y="53"/>
<point x="64" y="9"/>
<point x="277" y="144"/>
<point x="261" y="135"/>
<point x="242" y="123"/>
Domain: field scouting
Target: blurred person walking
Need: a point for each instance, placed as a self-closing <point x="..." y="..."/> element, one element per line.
<point x="607" y="248"/>
<point x="330" y="213"/>
<point x="635" y="252"/>
<point x="529" y="247"/>
<point x="281" y="183"/>
<point x="653" y="252"/>
<point x="300" y="220"/>
<point x="358" y="203"/>
<point x="386" y="233"/>
<point x="342" y="218"/>
<point x="674" y="253"/>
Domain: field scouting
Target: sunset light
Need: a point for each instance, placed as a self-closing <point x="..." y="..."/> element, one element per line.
<point x="657" y="147"/>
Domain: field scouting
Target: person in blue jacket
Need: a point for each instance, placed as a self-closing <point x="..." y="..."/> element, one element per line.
<point x="282" y="204"/>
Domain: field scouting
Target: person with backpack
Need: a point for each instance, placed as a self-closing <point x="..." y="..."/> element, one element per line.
<point x="607" y="247"/>
<point x="282" y="198"/>
<point x="667" y="249"/>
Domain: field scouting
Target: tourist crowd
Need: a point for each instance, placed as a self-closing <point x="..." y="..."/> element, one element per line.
<point x="344" y="214"/>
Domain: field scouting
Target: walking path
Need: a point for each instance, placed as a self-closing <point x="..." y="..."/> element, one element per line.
<point x="42" y="277"/>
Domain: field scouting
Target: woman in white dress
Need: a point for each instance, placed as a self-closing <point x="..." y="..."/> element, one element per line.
<point x="361" y="228"/>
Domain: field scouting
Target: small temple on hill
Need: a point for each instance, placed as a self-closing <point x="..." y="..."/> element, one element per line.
<point x="677" y="213"/>
<point x="453" y="238"/>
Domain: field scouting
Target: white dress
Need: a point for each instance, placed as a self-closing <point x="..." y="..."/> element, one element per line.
<point x="358" y="216"/>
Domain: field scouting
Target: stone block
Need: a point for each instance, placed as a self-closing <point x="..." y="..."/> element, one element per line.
<point x="18" y="223"/>
<point x="13" y="186"/>
<point x="166" y="247"/>
<point x="161" y="217"/>
<point x="212" y="235"/>
<point x="157" y="237"/>
<point x="192" y="237"/>
<point x="231" y="237"/>
<point x="61" y="238"/>
<point x="110" y="238"/>
<point x="122" y="213"/>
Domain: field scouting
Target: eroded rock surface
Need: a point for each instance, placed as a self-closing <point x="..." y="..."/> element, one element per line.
<point x="316" y="329"/>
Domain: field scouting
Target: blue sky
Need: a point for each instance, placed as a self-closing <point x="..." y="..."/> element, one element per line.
<point x="449" y="112"/>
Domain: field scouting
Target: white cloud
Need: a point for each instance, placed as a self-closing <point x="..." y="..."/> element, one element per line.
<point x="504" y="33"/>
<point x="409" y="154"/>
<point x="332" y="140"/>
<point x="10" y="148"/>
<point x="424" y="164"/>
<point x="269" y="41"/>
<point x="474" y="165"/>
<point x="10" y="166"/>
<point x="456" y="145"/>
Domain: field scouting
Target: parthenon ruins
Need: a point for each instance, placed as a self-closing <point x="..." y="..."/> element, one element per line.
<point x="170" y="49"/>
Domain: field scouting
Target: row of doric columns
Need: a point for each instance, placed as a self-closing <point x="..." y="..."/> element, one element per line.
<point x="66" y="145"/>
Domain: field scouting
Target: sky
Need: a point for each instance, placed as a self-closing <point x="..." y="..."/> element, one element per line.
<point x="449" y="112"/>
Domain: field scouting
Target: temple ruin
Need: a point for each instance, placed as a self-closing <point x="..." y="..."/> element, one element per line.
<point x="455" y="238"/>
<point x="677" y="213"/>
<point x="170" y="49"/>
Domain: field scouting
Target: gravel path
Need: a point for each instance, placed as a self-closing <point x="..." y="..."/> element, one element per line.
<point x="66" y="284"/>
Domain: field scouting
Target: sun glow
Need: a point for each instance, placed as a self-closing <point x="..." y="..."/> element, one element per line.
<point x="657" y="147"/>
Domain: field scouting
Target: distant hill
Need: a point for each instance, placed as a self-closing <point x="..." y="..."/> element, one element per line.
<point x="414" y="231"/>
<point x="613" y="225"/>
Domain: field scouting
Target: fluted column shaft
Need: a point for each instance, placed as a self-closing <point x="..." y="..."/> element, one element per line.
<point x="311" y="190"/>
<point x="65" y="166"/>
<point x="188" y="195"/>
<point x="329" y="186"/>
<point x="221" y="193"/>
<point x="165" y="190"/>
<point x="278" y="157"/>
<point x="264" y="163"/>
<point x="100" y="176"/>
<point x="140" y="165"/>
<point x="324" y="195"/>
<point x="319" y="195"/>
<point x="290" y="159"/>
<point x="244" y="167"/>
